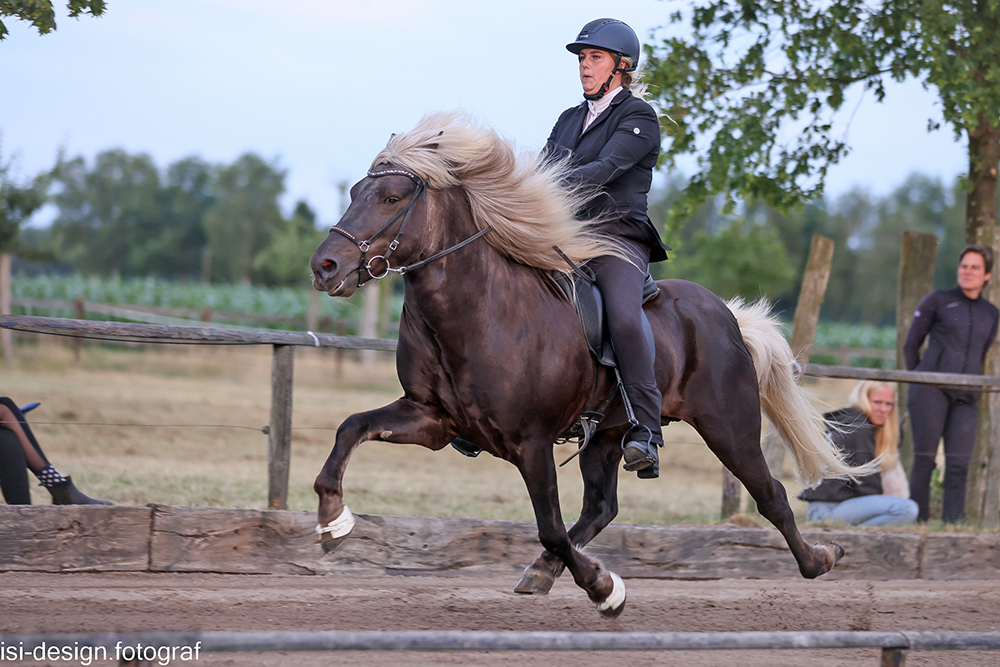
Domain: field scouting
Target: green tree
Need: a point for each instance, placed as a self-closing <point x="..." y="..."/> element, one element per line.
<point x="107" y="214"/>
<point x="285" y="260"/>
<point x="18" y="201"/>
<point x="753" y="87"/>
<point x="244" y="216"/>
<point x="41" y="14"/>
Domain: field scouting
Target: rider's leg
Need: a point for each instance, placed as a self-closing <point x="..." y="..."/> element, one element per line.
<point x="621" y="286"/>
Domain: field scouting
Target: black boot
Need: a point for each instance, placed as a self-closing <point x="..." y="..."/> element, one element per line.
<point x="65" y="493"/>
<point x="640" y="452"/>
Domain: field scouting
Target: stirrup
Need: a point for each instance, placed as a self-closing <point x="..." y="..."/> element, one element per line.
<point x="646" y="450"/>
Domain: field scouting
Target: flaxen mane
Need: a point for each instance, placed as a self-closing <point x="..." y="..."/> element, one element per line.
<point x="520" y="196"/>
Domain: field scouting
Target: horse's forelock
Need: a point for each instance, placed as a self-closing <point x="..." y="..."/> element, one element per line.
<point x="519" y="196"/>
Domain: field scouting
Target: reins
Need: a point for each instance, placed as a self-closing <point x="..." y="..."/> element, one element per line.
<point x="365" y="264"/>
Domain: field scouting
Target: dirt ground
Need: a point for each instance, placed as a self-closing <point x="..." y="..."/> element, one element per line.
<point x="140" y="602"/>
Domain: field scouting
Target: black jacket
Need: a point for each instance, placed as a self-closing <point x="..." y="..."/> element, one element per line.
<point x="960" y="329"/>
<point x="617" y="153"/>
<point x="856" y="438"/>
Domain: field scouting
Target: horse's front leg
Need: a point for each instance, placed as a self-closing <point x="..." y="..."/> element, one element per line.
<point x="403" y="421"/>
<point x="599" y="468"/>
<point x="604" y="588"/>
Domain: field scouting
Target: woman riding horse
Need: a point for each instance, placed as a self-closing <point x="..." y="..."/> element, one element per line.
<point x="611" y="142"/>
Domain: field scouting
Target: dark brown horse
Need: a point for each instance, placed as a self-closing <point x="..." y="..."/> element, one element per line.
<point x="491" y="352"/>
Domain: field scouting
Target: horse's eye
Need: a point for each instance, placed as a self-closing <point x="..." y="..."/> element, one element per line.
<point x="391" y="200"/>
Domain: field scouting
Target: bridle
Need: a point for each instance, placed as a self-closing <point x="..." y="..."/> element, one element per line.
<point x="365" y="270"/>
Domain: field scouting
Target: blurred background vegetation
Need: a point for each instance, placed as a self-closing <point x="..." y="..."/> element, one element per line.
<point x="126" y="230"/>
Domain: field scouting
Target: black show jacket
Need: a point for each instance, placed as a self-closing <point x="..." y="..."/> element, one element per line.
<point x="617" y="153"/>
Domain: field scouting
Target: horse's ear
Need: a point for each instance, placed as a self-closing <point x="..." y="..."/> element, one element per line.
<point x="433" y="147"/>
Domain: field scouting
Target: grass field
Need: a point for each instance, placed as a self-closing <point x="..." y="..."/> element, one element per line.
<point x="182" y="425"/>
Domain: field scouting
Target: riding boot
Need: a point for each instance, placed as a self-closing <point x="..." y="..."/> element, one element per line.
<point x="66" y="493"/>
<point x="640" y="452"/>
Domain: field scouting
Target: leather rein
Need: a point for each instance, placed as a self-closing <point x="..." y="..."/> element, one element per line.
<point x="365" y="270"/>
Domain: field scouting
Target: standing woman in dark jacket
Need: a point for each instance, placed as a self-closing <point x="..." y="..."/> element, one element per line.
<point x="961" y="326"/>
<point x="611" y="142"/>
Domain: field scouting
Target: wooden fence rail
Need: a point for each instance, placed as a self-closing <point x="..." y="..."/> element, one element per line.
<point x="283" y="342"/>
<point x="893" y="645"/>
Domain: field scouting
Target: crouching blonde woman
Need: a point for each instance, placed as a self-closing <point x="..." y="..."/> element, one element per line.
<point x="866" y="429"/>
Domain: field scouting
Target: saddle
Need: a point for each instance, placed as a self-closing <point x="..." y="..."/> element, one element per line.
<point x="579" y="288"/>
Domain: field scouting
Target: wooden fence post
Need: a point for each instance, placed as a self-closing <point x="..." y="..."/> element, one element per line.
<point x="80" y="307"/>
<point x="982" y="496"/>
<point x="811" y="297"/>
<point x="916" y="280"/>
<point x="6" y="335"/>
<point x="279" y="438"/>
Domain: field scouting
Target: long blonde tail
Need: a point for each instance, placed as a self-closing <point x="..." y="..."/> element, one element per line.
<point x="786" y="404"/>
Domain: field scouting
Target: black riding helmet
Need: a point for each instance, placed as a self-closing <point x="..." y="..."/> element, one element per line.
<point x="608" y="35"/>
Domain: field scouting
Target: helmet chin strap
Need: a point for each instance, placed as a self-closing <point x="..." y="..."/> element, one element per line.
<point x="607" y="84"/>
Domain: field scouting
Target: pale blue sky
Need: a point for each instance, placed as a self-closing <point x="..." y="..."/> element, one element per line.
<point x="321" y="84"/>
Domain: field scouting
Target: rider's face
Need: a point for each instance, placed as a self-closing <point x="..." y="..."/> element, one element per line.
<point x="595" y="68"/>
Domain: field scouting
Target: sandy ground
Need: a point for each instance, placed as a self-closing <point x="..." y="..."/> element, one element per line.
<point x="137" y="602"/>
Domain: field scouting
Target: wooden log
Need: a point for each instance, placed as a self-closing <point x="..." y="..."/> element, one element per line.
<point x="74" y="538"/>
<point x="913" y="377"/>
<point x="185" y="539"/>
<point x="811" y="296"/>
<point x="279" y="434"/>
<point x="159" y="332"/>
<point x="6" y="336"/>
<point x="730" y="493"/>
<point x="916" y="280"/>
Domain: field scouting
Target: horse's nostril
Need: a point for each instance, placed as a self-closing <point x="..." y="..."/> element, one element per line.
<point x="327" y="264"/>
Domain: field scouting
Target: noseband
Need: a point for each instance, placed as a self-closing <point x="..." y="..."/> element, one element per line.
<point x="365" y="264"/>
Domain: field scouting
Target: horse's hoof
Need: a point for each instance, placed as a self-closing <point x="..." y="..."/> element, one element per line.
<point x="535" y="582"/>
<point x="838" y="552"/>
<point x="333" y="534"/>
<point x="614" y="604"/>
<point x="330" y="544"/>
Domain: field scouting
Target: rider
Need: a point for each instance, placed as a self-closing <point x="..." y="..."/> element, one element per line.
<point x="612" y="141"/>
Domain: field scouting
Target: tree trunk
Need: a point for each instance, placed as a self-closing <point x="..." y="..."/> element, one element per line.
<point x="983" y="492"/>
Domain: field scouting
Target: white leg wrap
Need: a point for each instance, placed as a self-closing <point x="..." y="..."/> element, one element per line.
<point x="339" y="527"/>
<point x="617" y="597"/>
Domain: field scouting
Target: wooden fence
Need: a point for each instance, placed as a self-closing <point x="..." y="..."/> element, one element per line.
<point x="282" y="368"/>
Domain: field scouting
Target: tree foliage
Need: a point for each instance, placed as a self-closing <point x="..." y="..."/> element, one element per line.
<point x="41" y="14"/>
<point x="754" y="87"/>
<point x="121" y="215"/>
<point x="18" y="201"/>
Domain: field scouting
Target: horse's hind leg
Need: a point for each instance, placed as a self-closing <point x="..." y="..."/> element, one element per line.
<point x="604" y="588"/>
<point x="599" y="467"/>
<point x="726" y="435"/>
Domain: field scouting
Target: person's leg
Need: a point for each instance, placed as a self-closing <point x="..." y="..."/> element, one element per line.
<point x="820" y="510"/>
<point x="876" y="510"/>
<point x="62" y="489"/>
<point x="928" y="408"/>
<point x="620" y="283"/>
<point x="13" y="470"/>
<point x="12" y="418"/>
<point x="959" y="440"/>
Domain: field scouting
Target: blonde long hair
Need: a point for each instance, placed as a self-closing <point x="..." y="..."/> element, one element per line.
<point x="522" y="198"/>
<point x="886" y="436"/>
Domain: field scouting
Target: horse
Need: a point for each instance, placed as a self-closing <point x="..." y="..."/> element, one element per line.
<point x="492" y="352"/>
